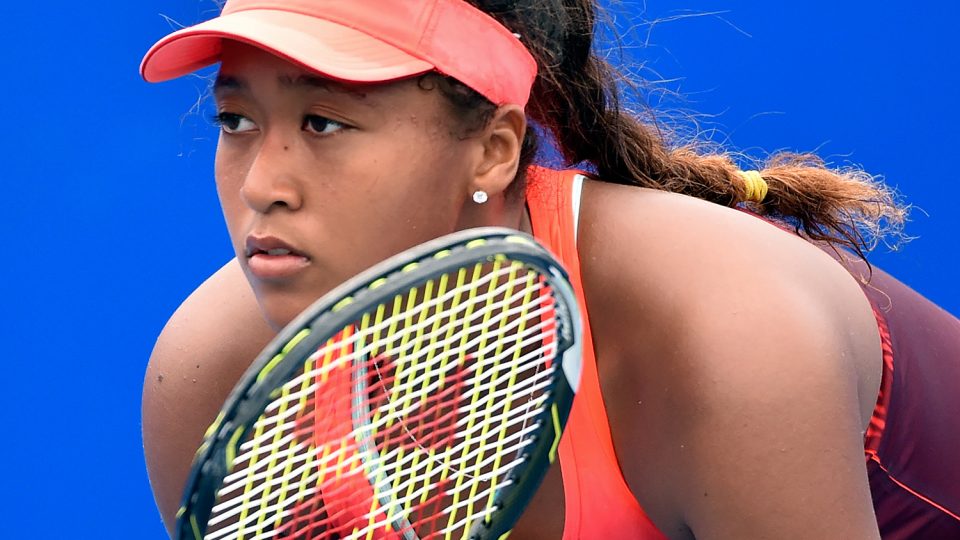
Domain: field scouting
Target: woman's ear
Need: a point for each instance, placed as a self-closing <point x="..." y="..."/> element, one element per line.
<point x="502" y="141"/>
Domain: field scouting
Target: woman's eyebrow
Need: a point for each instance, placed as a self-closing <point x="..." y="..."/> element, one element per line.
<point x="228" y="82"/>
<point x="322" y="83"/>
<point x="232" y="83"/>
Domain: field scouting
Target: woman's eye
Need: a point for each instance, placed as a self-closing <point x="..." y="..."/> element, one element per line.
<point x="234" y="123"/>
<point x="321" y="125"/>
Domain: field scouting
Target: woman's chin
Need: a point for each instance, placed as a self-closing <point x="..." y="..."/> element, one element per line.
<point x="279" y="312"/>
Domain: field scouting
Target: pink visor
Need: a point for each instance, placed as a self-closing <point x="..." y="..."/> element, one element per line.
<point x="361" y="41"/>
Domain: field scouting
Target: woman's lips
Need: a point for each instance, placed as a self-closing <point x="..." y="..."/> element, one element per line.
<point x="266" y="266"/>
<point x="270" y="258"/>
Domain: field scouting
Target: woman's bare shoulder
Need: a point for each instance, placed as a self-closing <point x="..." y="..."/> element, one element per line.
<point x="672" y="250"/>
<point x="728" y="348"/>
<point x="200" y="354"/>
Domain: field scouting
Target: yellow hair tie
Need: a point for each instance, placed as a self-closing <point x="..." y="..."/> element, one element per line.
<point x="755" y="185"/>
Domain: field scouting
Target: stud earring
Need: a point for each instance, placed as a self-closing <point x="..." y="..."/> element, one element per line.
<point x="479" y="196"/>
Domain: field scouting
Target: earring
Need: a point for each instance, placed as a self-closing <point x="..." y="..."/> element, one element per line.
<point x="479" y="196"/>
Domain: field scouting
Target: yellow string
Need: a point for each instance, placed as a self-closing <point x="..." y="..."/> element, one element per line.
<point x="755" y="185"/>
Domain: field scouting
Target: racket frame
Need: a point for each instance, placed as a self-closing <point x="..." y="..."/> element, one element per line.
<point x="345" y="304"/>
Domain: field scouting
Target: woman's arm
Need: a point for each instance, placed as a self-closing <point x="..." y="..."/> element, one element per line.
<point x="201" y="353"/>
<point x="745" y="363"/>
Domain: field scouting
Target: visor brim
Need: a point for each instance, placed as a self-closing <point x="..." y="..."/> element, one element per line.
<point x="328" y="48"/>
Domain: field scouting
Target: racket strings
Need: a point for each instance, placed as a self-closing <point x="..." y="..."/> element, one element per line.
<point x="351" y="465"/>
<point x="529" y="336"/>
<point x="296" y="458"/>
<point x="405" y="424"/>
<point x="339" y="361"/>
<point x="461" y="314"/>
<point x="281" y="421"/>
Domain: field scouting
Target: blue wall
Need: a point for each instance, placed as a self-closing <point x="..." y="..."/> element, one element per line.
<point x="107" y="183"/>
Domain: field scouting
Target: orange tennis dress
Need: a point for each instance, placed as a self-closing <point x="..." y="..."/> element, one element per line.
<point x="599" y="504"/>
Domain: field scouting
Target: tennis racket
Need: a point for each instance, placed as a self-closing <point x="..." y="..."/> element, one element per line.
<point x="422" y="399"/>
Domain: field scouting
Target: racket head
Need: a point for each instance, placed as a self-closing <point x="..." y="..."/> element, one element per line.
<point x="549" y="374"/>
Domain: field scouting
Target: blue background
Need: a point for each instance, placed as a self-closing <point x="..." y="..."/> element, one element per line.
<point x="112" y="217"/>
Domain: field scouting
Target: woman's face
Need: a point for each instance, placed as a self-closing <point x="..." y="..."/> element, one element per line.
<point x="320" y="180"/>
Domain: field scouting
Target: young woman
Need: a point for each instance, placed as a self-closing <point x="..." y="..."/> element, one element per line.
<point x="744" y="379"/>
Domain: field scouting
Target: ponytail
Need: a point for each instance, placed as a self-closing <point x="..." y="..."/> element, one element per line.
<point x="576" y="98"/>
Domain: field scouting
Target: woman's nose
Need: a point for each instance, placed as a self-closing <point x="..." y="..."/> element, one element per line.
<point x="271" y="181"/>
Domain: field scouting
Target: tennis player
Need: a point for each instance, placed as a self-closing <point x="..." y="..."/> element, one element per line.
<point x="747" y="375"/>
